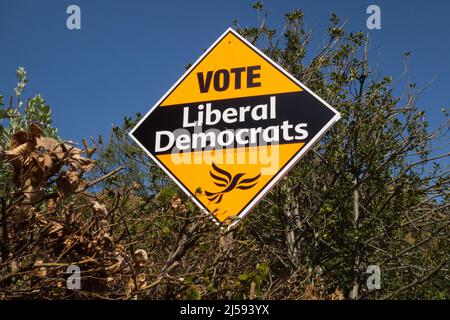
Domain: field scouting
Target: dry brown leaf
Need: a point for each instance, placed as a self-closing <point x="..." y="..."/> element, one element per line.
<point x="55" y="228"/>
<point x="38" y="263"/>
<point x="73" y="176"/>
<point x="47" y="162"/>
<point x="141" y="258"/>
<point x="337" y="295"/>
<point x="49" y="144"/>
<point x="176" y="202"/>
<point x="31" y="191"/>
<point x="141" y="255"/>
<point x="19" y="151"/>
<point x="98" y="208"/>
<point x="14" y="266"/>
<point x="51" y="205"/>
<point x="80" y="163"/>
<point x="35" y="130"/>
<point x="141" y="280"/>
<point x="136" y="185"/>
<point x="116" y="266"/>
<point x="130" y="287"/>
<point x="64" y="187"/>
<point x="42" y="271"/>
<point x="18" y="138"/>
<point x="108" y="237"/>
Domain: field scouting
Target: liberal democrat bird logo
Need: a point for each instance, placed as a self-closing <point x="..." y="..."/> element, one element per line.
<point x="224" y="179"/>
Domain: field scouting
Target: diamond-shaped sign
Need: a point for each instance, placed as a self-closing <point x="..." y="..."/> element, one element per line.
<point x="231" y="127"/>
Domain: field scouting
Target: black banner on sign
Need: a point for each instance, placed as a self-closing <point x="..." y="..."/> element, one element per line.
<point x="268" y="119"/>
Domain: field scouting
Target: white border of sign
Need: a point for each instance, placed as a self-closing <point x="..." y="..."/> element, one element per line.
<point x="286" y="167"/>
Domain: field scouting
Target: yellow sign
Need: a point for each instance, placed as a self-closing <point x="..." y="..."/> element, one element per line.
<point x="231" y="127"/>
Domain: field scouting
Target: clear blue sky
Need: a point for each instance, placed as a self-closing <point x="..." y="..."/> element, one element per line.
<point x="128" y="53"/>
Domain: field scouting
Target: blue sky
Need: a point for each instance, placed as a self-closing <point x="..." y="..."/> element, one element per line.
<point x="128" y="53"/>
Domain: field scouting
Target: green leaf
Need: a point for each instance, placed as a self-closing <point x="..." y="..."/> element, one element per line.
<point x="166" y="230"/>
<point x="192" y="294"/>
<point x="190" y="206"/>
<point x="258" y="6"/>
<point x="243" y="277"/>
